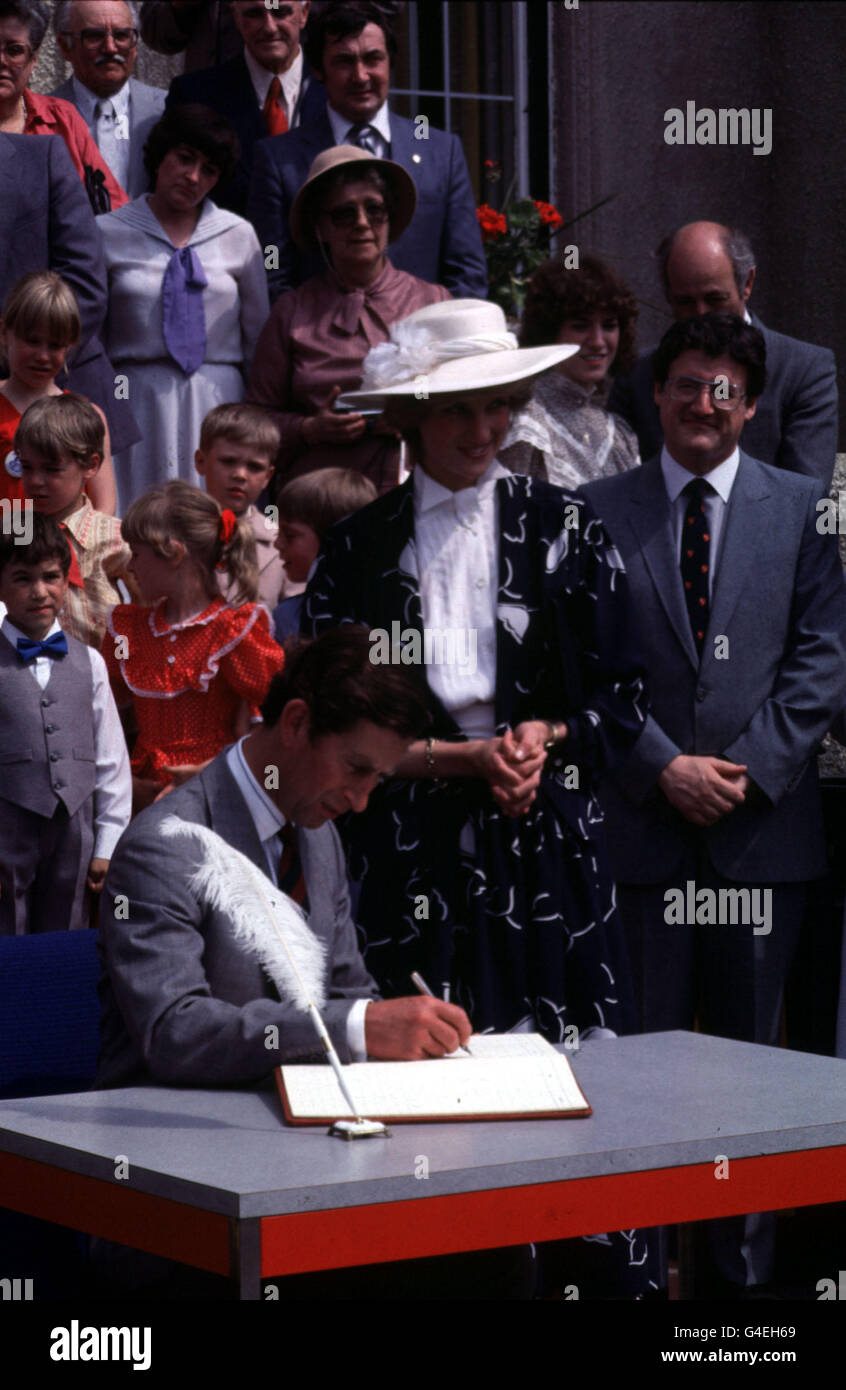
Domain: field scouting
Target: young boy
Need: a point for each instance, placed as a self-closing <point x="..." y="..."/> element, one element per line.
<point x="309" y="506"/>
<point x="238" y="444"/>
<point x="59" y="442"/>
<point x="66" y="788"/>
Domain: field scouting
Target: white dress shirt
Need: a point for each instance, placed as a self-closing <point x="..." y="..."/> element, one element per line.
<point x="380" y="123"/>
<point x="715" y="503"/>
<point x="111" y="137"/>
<point x="113" y="784"/>
<point x="289" y="81"/>
<point x="455" y="560"/>
<point x="268" y="821"/>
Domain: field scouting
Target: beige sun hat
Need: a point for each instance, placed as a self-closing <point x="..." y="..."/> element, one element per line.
<point x="455" y="345"/>
<point x="301" y="219"/>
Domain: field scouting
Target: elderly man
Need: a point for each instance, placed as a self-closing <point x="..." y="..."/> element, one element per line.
<point x="350" y="48"/>
<point x="708" y="267"/>
<point x="99" y="38"/>
<point x="267" y="90"/>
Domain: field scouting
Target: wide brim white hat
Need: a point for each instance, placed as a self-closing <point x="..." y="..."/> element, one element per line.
<point x="454" y="346"/>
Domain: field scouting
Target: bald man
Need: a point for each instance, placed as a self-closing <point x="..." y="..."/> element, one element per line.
<point x="707" y="267"/>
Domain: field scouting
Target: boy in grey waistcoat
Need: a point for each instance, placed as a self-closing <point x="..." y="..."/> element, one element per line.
<point x="65" y="784"/>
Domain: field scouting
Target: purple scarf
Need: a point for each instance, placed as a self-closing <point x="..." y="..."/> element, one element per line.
<point x="183" y="310"/>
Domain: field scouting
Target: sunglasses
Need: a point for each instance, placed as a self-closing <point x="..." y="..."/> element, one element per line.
<point x="348" y="213"/>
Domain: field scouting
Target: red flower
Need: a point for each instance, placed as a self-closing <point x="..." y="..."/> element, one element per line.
<point x="491" y="163"/>
<point x="492" y="223"/>
<point x="549" y="215"/>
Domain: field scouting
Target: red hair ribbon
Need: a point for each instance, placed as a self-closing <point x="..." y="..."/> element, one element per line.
<point x="228" y="525"/>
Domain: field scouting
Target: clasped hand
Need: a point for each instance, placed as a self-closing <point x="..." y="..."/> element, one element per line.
<point x="704" y="789"/>
<point x="512" y="765"/>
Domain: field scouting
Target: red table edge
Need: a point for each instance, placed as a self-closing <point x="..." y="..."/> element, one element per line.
<point x="418" y="1226"/>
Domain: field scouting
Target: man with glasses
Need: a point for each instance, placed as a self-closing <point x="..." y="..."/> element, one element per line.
<point x="707" y="267"/>
<point x="267" y="90"/>
<point x="715" y="821"/>
<point x="99" y="38"/>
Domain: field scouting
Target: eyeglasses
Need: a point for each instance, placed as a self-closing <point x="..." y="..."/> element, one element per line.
<point x="93" y="38"/>
<point x="348" y="213"/>
<point x="724" y="396"/>
<point x="16" y="54"/>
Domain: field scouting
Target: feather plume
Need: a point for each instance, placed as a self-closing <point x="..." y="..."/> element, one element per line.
<point x="263" y="919"/>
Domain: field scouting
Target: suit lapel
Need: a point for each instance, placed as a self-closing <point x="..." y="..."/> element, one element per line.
<point x="651" y="520"/>
<point x="738" y="543"/>
<point x="228" y="814"/>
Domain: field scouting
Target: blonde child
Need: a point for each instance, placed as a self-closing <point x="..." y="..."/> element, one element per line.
<point x="309" y="506"/>
<point x="40" y="324"/>
<point x="238" y="444"/>
<point x="60" y="443"/>
<point x="187" y="662"/>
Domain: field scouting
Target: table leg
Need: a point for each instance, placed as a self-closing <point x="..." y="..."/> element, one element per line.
<point x="245" y="1257"/>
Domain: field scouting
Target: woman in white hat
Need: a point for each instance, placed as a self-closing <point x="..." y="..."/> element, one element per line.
<point x="351" y="206"/>
<point x="482" y="863"/>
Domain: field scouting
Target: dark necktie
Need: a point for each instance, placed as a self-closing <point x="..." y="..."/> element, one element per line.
<point x="695" y="560"/>
<point x="364" y="136"/>
<point x="290" y="876"/>
<point x="273" y="110"/>
<point x="56" y="645"/>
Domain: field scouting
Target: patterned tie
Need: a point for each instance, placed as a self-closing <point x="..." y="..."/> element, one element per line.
<point x="273" y="110"/>
<point x="695" y="557"/>
<point x="74" y="573"/>
<point x="105" y="133"/>
<point x="290" y="877"/>
<point x="56" y="645"/>
<point x="364" y="136"/>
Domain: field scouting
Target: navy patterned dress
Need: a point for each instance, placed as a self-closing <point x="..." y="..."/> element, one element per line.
<point x="521" y="919"/>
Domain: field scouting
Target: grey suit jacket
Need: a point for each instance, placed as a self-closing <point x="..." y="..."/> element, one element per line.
<point x="764" y="697"/>
<point x="146" y="105"/>
<point x="182" y="1004"/>
<point x="795" y="424"/>
<point x="46" y="223"/>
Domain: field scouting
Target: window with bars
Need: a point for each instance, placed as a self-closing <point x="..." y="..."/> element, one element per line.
<point x="479" y="68"/>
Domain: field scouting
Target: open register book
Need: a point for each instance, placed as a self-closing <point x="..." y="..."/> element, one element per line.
<point x="509" y="1076"/>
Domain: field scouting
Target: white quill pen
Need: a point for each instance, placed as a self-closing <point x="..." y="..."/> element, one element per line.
<point x="264" y="920"/>
<point x="269" y="924"/>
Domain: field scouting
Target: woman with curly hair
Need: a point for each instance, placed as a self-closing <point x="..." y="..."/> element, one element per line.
<point x="566" y="434"/>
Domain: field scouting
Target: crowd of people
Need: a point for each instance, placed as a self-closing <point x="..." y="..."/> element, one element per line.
<point x="254" y="389"/>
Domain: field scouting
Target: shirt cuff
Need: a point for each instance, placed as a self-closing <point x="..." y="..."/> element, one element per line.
<point x="356" y="1041"/>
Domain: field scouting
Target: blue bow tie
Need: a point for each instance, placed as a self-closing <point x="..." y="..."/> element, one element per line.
<point x="57" y="645"/>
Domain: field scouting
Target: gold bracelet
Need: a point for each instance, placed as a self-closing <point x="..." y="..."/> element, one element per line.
<point x="429" y="756"/>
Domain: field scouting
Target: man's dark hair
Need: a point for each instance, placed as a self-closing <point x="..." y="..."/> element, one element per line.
<point x="201" y="129"/>
<point x="736" y="245"/>
<point x="336" y="678"/>
<point x="715" y="335"/>
<point x="343" y="20"/>
<point x="48" y="543"/>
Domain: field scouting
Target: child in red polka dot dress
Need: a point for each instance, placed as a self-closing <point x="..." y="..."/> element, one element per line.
<point x="186" y="659"/>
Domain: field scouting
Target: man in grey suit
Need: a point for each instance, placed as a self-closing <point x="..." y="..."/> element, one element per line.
<point x="714" y="821"/>
<point x="705" y="268"/>
<point x="743" y="621"/>
<point x="46" y="223"/>
<point x="184" y="1002"/>
<point x="99" y="38"/>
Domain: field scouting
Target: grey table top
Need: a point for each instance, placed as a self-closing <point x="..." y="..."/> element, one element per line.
<point x="660" y="1100"/>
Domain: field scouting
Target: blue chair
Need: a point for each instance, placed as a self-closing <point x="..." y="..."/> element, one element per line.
<point x="49" y="1013"/>
<point x="49" y="1037"/>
